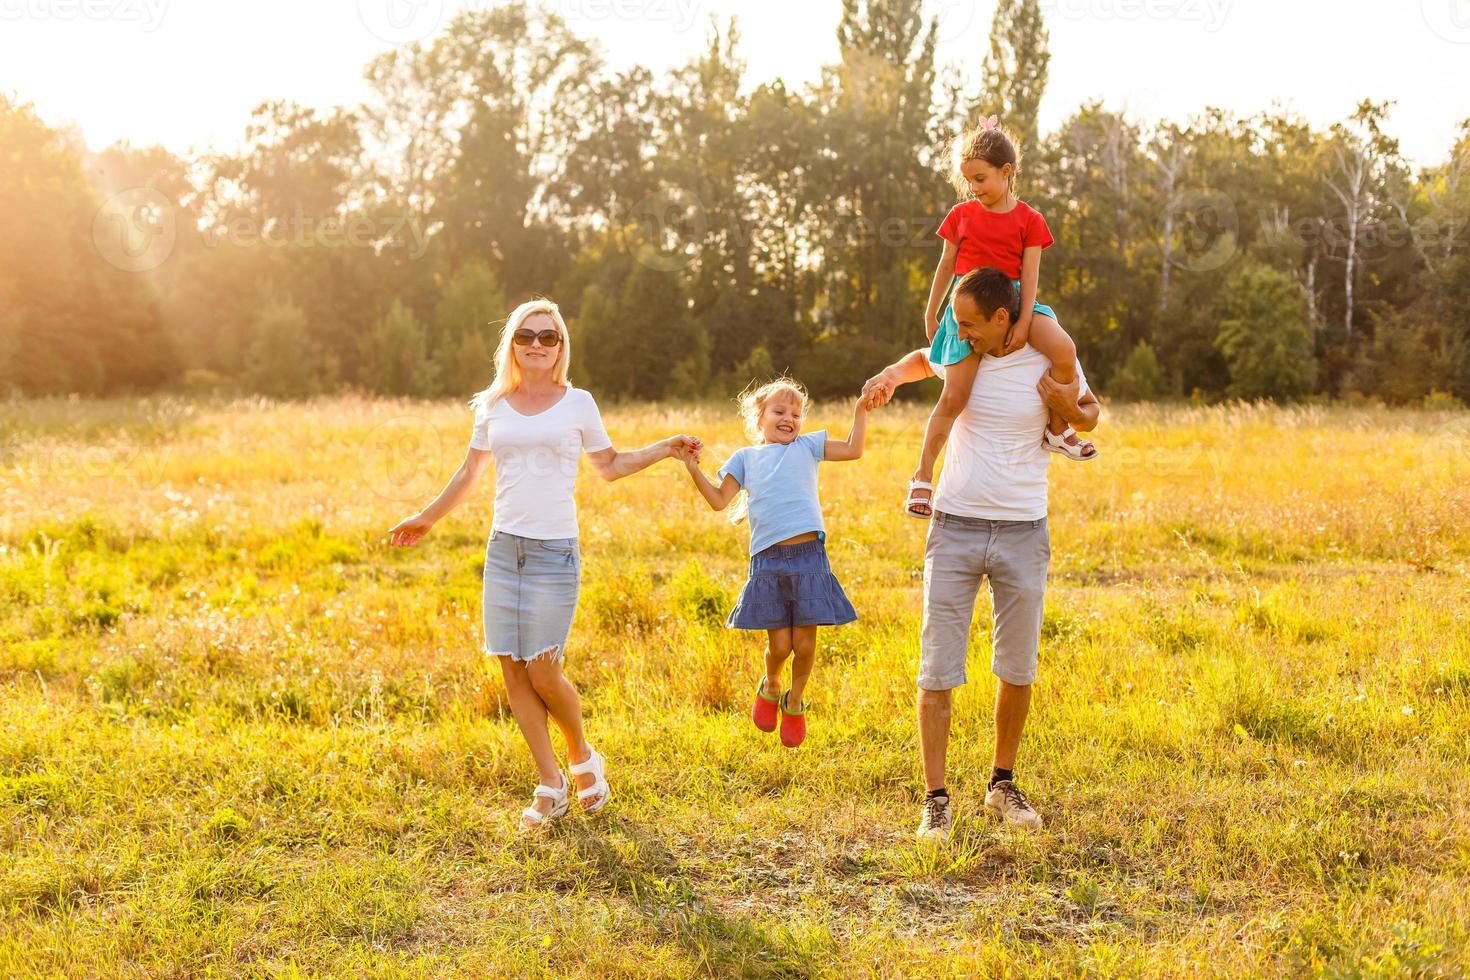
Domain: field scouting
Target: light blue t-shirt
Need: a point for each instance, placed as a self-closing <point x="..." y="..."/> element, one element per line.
<point x="782" y="484"/>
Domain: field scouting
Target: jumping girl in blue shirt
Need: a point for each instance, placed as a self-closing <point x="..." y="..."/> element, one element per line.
<point x="791" y="589"/>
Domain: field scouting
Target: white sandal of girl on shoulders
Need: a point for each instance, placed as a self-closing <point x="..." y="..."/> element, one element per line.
<point x="599" y="792"/>
<point x="917" y="501"/>
<point x="532" y="818"/>
<point x="1069" y="444"/>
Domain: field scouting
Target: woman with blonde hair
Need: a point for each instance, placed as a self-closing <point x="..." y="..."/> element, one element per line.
<point x="536" y="426"/>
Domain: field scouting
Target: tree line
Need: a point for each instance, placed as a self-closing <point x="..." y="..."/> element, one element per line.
<point x="699" y="232"/>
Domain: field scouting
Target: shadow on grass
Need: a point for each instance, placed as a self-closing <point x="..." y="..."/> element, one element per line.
<point x="635" y="864"/>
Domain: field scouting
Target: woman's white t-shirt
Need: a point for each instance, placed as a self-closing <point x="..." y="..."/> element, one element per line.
<point x="536" y="459"/>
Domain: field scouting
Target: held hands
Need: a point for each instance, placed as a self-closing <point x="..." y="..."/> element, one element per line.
<point x="877" y="392"/>
<point x="686" y="449"/>
<point x="409" y="531"/>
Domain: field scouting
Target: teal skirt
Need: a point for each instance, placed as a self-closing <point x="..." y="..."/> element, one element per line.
<point x="948" y="348"/>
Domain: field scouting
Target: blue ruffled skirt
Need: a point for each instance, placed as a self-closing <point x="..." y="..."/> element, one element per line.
<point x="791" y="585"/>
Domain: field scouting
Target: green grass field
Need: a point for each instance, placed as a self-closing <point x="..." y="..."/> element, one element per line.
<point x="240" y="736"/>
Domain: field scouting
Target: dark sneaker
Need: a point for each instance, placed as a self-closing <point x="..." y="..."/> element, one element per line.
<point x="1011" y="805"/>
<point x="934" y="824"/>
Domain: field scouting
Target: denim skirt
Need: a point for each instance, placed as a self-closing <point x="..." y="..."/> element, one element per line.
<point x="791" y="585"/>
<point x="530" y="595"/>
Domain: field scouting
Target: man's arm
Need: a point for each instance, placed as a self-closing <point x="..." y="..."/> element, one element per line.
<point x="1081" y="413"/>
<point x="1089" y="410"/>
<point x="913" y="366"/>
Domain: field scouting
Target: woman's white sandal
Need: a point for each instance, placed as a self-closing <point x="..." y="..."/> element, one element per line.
<point x="599" y="787"/>
<point x="1057" y="442"/>
<point x="532" y="818"/>
<point x="908" y="507"/>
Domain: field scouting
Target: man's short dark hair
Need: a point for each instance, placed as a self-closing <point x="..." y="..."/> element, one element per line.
<point x="990" y="289"/>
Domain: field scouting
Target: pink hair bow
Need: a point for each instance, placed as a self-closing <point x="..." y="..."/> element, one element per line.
<point x="989" y="123"/>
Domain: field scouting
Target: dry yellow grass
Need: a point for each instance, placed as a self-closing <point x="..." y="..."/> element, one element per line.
<point x="239" y="734"/>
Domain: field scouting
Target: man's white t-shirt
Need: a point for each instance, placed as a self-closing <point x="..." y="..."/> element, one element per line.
<point x="536" y="459"/>
<point x="995" y="464"/>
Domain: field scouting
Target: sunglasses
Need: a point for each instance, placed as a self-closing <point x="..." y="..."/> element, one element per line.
<point x="524" y="338"/>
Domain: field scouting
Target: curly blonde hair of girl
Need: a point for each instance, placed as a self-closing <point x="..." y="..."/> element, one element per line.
<point x="753" y="401"/>
<point x="993" y="144"/>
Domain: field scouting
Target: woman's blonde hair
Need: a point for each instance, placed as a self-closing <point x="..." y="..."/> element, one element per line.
<point x="988" y="142"/>
<point x="507" y="371"/>
<point x="753" y="402"/>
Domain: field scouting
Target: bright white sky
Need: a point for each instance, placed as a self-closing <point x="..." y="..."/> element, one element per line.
<point x="186" y="73"/>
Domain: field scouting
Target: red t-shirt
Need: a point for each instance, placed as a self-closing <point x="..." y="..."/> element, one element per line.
<point x="986" y="238"/>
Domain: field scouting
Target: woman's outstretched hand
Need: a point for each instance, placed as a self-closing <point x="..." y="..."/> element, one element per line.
<point x="410" y="531"/>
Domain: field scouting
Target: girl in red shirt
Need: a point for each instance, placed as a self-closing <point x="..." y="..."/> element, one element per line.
<point x="989" y="227"/>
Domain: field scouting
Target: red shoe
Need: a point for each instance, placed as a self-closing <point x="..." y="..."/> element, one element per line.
<point x="763" y="713"/>
<point x="793" y="724"/>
